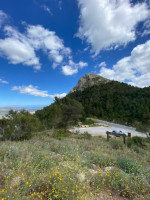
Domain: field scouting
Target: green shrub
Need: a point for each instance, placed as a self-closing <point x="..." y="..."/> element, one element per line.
<point x="19" y="125"/>
<point x="135" y="141"/>
<point x="60" y="134"/>
<point x="129" y="165"/>
<point x="101" y="160"/>
<point x="85" y="135"/>
<point x="89" y="121"/>
<point x="116" y="144"/>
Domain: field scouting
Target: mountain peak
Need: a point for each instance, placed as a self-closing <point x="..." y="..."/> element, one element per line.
<point x="88" y="80"/>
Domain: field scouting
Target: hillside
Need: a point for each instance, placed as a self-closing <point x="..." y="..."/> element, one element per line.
<point x="115" y="101"/>
<point x="73" y="167"/>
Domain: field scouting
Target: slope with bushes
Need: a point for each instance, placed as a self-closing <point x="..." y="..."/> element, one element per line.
<point x="115" y="101"/>
<point x="61" y="165"/>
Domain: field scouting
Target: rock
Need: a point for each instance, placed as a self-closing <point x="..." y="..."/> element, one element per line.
<point x="88" y="80"/>
<point x="81" y="177"/>
<point x="16" y="181"/>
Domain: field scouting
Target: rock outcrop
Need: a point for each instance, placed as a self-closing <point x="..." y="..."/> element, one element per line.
<point x="88" y="80"/>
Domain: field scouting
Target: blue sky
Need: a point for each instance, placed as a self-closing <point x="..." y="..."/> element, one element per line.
<point x="47" y="45"/>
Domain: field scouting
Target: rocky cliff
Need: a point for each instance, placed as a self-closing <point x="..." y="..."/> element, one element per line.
<point x="89" y="80"/>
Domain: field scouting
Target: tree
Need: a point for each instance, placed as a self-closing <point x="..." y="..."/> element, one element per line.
<point x="72" y="110"/>
<point x="19" y="125"/>
<point x="61" y="114"/>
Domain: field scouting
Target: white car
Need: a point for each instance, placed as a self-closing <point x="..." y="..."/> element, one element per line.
<point x="120" y="132"/>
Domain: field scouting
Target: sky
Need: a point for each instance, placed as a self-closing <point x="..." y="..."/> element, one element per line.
<point x="46" y="46"/>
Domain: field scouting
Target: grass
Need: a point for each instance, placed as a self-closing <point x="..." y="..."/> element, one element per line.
<point x="59" y="165"/>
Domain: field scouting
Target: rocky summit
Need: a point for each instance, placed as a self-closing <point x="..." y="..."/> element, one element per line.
<point x="88" y="80"/>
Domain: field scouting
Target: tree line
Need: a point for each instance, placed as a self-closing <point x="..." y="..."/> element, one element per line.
<point x="113" y="101"/>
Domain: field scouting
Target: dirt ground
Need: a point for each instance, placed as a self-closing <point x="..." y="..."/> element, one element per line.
<point x="101" y="130"/>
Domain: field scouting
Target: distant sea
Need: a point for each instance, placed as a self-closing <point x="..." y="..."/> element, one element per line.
<point x="31" y="109"/>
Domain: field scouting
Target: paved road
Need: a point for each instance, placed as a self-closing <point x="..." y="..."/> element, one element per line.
<point x="101" y="130"/>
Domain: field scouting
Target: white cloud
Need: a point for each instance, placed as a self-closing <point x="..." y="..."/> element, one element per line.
<point x="2" y="81"/>
<point x="33" y="90"/>
<point x="47" y="9"/>
<point x="69" y="70"/>
<point x="107" y="24"/>
<point x="18" y="52"/>
<point x="17" y="49"/>
<point x="49" y="42"/>
<point x="21" y="48"/>
<point x="58" y="95"/>
<point x="102" y="64"/>
<point x="72" y="68"/>
<point x="3" y="17"/>
<point x="135" y="68"/>
<point x="146" y="28"/>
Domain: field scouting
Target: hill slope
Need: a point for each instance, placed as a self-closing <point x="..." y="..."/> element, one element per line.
<point x="115" y="101"/>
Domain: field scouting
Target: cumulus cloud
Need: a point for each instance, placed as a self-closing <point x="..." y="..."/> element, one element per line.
<point x="2" y="81"/>
<point x="33" y="90"/>
<point x="106" y="24"/>
<point x="49" y="42"/>
<point x="134" y="68"/>
<point x="21" y="48"/>
<point x="58" y="95"/>
<point x="17" y="49"/>
<point x="69" y="70"/>
<point x="72" y="68"/>
<point x="3" y="17"/>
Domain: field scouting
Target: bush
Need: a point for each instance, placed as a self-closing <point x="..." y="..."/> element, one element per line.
<point x="60" y="134"/>
<point x="101" y="160"/>
<point x="85" y="135"/>
<point x="89" y="121"/>
<point x="135" y="141"/>
<point x="129" y="165"/>
<point x="19" y="125"/>
<point x="116" y="144"/>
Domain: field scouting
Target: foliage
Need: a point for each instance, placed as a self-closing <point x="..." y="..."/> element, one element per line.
<point x="60" y="134"/>
<point x="135" y="141"/>
<point x="89" y="121"/>
<point x="85" y="135"/>
<point x="19" y="125"/>
<point x="45" y="168"/>
<point x="143" y="127"/>
<point x="129" y="165"/>
<point x="61" y="114"/>
<point x="114" y="101"/>
<point x="116" y="144"/>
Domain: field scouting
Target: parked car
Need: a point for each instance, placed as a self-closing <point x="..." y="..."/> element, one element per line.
<point x="115" y="131"/>
<point x="120" y="132"/>
<point x="123" y="132"/>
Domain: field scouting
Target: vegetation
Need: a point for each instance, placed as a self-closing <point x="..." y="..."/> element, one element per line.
<point x="117" y="102"/>
<point x="55" y="164"/>
<point x="61" y="114"/>
<point x="19" y="125"/>
<point x="46" y="167"/>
